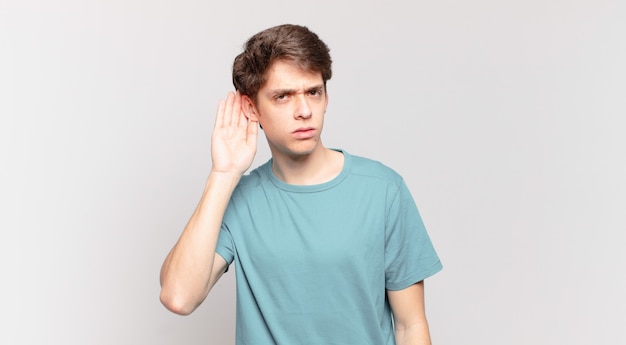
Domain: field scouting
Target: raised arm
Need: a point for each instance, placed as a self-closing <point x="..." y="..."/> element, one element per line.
<point x="192" y="267"/>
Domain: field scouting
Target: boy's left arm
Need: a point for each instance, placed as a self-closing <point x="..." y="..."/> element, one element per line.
<point x="407" y="305"/>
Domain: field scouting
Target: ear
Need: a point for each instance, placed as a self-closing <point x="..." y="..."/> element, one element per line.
<point x="326" y="105"/>
<point x="249" y="109"/>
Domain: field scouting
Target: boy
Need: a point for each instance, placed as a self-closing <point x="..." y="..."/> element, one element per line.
<point x="329" y="247"/>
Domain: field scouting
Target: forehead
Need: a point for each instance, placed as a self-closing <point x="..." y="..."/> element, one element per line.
<point x="287" y="75"/>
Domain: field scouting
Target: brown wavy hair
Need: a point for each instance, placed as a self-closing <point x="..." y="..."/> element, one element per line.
<point x="293" y="43"/>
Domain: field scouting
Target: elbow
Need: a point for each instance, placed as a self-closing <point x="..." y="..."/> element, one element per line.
<point x="176" y="303"/>
<point x="413" y="333"/>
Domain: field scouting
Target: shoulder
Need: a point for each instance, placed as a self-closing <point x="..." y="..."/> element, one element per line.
<point x="374" y="169"/>
<point x="255" y="178"/>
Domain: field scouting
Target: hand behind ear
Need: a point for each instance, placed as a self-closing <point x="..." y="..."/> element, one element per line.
<point x="234" y="139"/>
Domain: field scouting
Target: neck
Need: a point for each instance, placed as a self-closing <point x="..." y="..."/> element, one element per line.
<point x="319" y="166"/>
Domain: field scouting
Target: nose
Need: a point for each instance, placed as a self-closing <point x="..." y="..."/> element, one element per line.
<point x="303" y="110"/>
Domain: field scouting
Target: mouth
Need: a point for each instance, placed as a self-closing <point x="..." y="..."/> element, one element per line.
<point x="304" y="132"/>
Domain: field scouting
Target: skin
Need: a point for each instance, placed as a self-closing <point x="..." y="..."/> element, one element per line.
<point x="192" y="267"/>
<point x="411" y="325"/>
<point x="290" y="106"/>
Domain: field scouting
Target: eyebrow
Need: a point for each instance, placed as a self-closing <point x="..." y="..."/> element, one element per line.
<point x="292" y="91"/>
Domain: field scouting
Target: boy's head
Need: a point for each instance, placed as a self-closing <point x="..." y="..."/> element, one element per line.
<point x="291" y="43"/>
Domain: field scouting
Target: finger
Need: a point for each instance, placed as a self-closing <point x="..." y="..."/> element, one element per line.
<point x="236" y="110"/>
<point x="243" y="118"/>
<point x="219" y="117"/>
<point x="228" y="109"/>
<point x="252" y="132"/>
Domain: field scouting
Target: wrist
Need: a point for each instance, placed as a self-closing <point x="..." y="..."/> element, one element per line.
<point x="223" y="179"/>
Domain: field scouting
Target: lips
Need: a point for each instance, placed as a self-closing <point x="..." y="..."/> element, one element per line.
<point x="304" y="132"/>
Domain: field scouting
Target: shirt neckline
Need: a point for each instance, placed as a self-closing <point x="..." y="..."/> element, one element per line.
<point x="347" y="161"/>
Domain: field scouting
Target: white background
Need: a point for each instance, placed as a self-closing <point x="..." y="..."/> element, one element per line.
<point x="504" y="117"/>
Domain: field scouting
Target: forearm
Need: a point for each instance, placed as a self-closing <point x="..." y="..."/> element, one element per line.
<point x="187" y="273"/>
<point x="414" y="334"/>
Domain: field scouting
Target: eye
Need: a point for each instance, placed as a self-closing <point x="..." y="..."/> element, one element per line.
<point x="281" y="97"/>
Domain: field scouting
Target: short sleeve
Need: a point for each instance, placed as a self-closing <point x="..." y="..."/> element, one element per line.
<point x="409" y="253"/>
<point x="225" y="246"/>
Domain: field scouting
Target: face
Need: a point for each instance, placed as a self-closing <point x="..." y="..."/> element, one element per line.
<point x="290" y="107"/>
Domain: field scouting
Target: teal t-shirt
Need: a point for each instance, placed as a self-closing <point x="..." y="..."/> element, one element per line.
<point x="314" y="262"/>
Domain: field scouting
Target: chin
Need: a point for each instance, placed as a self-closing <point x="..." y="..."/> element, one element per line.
<point x="300" y="149"/>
